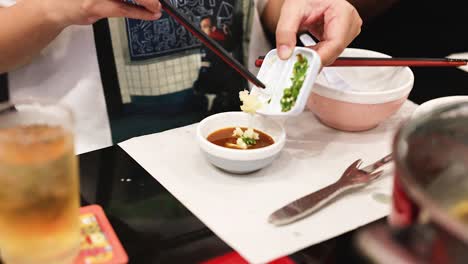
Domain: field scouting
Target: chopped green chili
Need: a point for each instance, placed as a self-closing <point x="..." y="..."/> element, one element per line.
<point x="249" y="141"/>
<point x="299" y="73"/>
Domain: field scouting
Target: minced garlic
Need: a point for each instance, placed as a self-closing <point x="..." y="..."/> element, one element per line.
<point x="251" y="103"/>
<point x="245" y="138"/>
<point x="237" y="132"/>
<point x="241" y="144"/>
<point x="250" y="133"/>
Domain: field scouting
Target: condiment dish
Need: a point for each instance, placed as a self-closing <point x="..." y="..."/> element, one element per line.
<point x="240" y="161"/>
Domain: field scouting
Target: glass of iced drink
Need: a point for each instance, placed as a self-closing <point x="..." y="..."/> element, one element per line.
<point x="39" y="187"/>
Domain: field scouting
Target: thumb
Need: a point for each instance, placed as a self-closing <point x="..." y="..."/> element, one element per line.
<point x="286" y="31"/>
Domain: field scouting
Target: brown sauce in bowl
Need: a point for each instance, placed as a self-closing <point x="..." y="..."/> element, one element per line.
<point x="224" y="138"/>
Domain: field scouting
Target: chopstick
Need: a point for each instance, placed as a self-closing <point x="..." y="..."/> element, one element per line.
<point x="411" y="62"/>
<point x="390" y="62"/>
<point x="211" y="44"/>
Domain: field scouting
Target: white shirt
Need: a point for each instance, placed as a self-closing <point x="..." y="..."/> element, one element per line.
<point x="67" y="71"/>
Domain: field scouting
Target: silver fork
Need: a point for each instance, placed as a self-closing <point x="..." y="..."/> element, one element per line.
<point x="352" y="177"/>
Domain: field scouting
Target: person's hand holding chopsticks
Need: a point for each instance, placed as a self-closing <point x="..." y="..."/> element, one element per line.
<point x="334" y="22"/>
<point x="84" y="12"/>
<point x="30" y="25"/>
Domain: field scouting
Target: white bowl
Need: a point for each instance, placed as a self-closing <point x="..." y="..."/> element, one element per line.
<point x="375" y="94"/>
<point x="236" y="160"/>
<point x="436" y="103"/>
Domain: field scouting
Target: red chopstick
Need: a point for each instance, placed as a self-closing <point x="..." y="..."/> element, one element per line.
<point x="411" y="62"/>
<point x="211" y="44"/>
<point x="371" y="62"/>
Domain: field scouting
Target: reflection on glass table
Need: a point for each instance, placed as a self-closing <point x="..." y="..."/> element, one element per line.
<point x="154" y="227"/>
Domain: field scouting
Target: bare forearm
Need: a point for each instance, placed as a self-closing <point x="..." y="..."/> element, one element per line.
<point x="27" y="27"/>
<point x="24" y="31"/>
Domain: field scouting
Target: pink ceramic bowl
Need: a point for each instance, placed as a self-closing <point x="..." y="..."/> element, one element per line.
<point x="373" y="95"/>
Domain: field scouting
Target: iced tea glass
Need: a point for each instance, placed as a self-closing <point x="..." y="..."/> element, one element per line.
<point x="39" y="187"/>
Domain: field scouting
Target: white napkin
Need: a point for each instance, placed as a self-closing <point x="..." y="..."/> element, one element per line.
<point x="236" y="207"/>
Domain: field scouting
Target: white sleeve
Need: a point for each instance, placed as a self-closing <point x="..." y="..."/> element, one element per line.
<point x="6" y="3"/>
<point x="261" y="4"/>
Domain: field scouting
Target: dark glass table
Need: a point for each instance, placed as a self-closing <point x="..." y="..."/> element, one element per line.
<point x="154" y="227"/>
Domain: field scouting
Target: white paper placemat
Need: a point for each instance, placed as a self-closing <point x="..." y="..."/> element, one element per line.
<point x="236" y="208"/>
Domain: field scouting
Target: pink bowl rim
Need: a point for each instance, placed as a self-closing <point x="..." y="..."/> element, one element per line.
<point x="370" y="97"/>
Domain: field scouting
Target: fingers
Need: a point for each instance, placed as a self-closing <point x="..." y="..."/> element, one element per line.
<point x="341" y="25"/>
<point x="116" y="8"/>
<point x="335" y="22"/>
<point x="152" y="5"/>
<point x="291" y="17"/>
<point x="328" y="51"/>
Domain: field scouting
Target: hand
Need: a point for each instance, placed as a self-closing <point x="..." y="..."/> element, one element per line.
<point x="84" y="12"/>
<point x="334" y="22"/>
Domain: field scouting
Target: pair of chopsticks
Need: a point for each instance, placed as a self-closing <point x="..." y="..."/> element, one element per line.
<point x="341" y="61"/>
<point x="211" y="44"/>
<point x="390" y="62"/>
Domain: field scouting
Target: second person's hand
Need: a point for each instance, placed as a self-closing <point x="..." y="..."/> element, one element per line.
<point x="334" y="22"/>
<point x="84" y="12"/>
